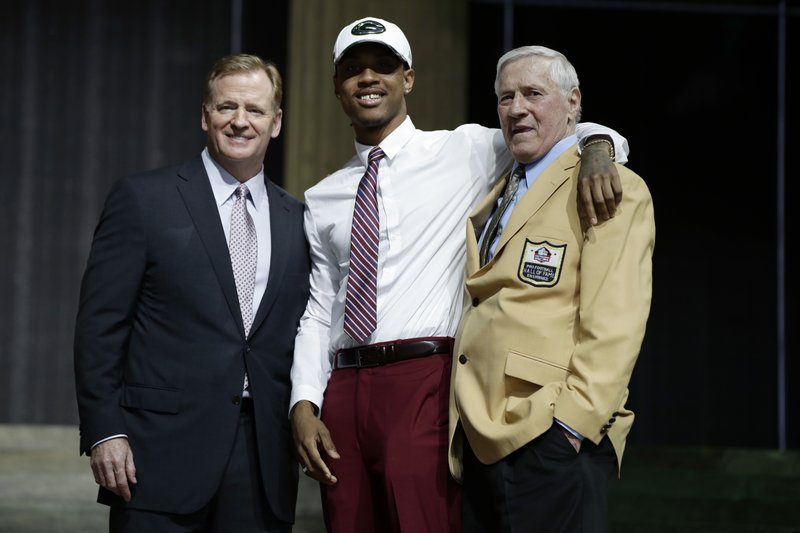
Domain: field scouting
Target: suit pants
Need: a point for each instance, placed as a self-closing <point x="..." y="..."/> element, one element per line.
<point x="545" y="486"/>
<point x="239" y="505"/>
<point x="389" y="425"/>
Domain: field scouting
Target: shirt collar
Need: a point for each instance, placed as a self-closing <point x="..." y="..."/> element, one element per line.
<point x="392" y="144"/>
<point x="534" y="168"/>
<point x="223" y="184"/>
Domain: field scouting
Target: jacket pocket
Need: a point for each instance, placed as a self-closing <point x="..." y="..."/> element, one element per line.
<point x="156" y="399"/>
<point x="534" y="369"/>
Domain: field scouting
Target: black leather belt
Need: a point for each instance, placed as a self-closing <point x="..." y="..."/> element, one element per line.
<point x="382" y="354"/>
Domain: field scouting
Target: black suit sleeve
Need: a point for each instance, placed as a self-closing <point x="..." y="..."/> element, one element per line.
<point x="108" y="297"/>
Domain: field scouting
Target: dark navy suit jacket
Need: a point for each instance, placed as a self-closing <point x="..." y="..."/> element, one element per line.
<point x="160" y="350"/>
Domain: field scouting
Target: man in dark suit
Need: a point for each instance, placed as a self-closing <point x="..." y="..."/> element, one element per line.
<point x="197" y="277"/>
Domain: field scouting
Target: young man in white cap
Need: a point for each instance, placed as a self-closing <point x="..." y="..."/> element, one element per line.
<point x="387" y="237"/>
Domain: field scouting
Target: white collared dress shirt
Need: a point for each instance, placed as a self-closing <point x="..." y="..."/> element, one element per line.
<point x="428" y="184"/>
<point x="224" y="185"/>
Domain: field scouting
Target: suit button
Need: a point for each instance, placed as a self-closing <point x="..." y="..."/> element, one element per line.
<point x="612" y="420"/>
<point x="603" y="430"/>
<point x="462" y="359"/>
<point x="615" y="413"/>
<point x="247" y="348"/>
<point x="236" y="400"/>
<point x="475" y="302"/>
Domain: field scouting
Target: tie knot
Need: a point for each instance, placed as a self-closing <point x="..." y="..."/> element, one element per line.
<point x="242" y="191"/>
<point x="376" y="154"/>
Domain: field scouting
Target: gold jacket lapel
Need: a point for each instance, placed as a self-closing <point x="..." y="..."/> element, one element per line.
<point x="477" y="220"/>
<point x="543" y="188"/>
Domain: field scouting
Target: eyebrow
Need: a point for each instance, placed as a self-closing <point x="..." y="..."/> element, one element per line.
<point x="234" y="102"/>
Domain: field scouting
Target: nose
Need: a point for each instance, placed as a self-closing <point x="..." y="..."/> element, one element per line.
<point x="517" y="107"/>
<point x="239" y="118"/>
<point x="367" y="76"/>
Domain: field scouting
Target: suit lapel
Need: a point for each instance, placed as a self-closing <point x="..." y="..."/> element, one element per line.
<point x="196" y="192"/>
<point x="543" y="188"/>
<point x="477" y="220"/>
<point x="278" y="215"/>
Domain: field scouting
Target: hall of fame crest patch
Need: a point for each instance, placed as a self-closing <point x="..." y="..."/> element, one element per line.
<point x="540" y="264"/>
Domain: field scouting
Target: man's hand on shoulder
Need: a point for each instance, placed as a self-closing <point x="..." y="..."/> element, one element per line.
<point x="113" y="468"/>
<point x="599" y="187"/>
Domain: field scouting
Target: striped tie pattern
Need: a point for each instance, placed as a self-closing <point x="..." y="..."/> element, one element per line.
<point x="494" y="220"/>
<point x="360" y="310"/>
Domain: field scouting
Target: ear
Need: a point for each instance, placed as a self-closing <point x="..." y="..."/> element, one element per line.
<point x="336" y="85"/>
<point x="574" y="101"/>
<point x="408" y="80"/>
<point x="276" y="123"/>
<point x="203" y="120"/>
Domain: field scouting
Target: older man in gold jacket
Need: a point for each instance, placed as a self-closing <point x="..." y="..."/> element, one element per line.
<point x="555" y="318"/>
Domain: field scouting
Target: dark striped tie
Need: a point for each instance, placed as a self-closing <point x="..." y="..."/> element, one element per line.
<point x="360" y="309"/>
<point x="494" y="220"/>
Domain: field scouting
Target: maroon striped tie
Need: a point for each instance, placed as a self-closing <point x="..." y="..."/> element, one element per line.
<point x="360" y="309"/>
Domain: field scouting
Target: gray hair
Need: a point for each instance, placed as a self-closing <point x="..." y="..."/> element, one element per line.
<point x="561" y="70"/>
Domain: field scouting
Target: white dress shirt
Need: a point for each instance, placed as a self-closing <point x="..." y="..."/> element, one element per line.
<point x="223" y="185"/>
<point x="428" y="183"/>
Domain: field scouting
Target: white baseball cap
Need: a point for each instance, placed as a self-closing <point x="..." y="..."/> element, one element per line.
<point x="372" y="30"/>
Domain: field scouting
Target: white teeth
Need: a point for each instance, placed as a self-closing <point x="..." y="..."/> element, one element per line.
<point x="370" y="97"/>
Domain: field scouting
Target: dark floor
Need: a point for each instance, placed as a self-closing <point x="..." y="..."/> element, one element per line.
<point x="706" y="491"/>
<point x="45" y="487"/>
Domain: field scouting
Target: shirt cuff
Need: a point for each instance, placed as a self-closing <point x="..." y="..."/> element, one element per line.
<point x="574" y="433"/>
<point x="306" y="392"/>
<point x="120" y="436"/>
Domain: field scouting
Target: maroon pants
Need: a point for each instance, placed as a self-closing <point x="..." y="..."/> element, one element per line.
<point x="389" y="425"/>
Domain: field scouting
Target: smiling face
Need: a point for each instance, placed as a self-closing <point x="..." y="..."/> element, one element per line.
<point x="240" y="119"/>
<point x="371" y="83"/>
<point x="534" y="114"/>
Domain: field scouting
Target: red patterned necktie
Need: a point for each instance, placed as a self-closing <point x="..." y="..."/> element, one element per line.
<point x="360" y="309"/>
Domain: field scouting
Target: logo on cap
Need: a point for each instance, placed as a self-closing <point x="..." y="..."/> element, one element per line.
<point x="368" y="27"/>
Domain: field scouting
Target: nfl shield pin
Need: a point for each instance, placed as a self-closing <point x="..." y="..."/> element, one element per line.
<point x="540" y="264"/>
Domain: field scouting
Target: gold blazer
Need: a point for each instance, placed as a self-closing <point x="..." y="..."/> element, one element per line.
<point x="553" y="324"/>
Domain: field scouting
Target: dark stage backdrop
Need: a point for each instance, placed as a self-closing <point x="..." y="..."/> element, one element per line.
<point x="694" y="90"/>
<point x="91" y="91"/>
